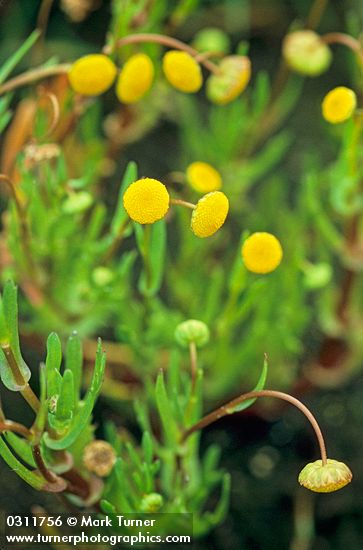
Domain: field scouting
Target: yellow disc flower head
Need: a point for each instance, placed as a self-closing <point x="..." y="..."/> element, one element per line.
<point x="135" y="79"/>
<point x="92" y="74"/>
<point x="203" y="177"/>
<point x="146" y="201"/>
<point x="209" y="214"/>
<point x="325" y="478"/>
<point x="261" y="253"/>
<point x="182" y="71"/>
<point x="231" y="81"/>
<point x="339" y="104"/>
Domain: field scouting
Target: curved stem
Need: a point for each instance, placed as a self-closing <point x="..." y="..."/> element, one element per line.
<point x="33" y="76"/>
<point x="180" y="202"/>
<point x="228" y="408"/>
<point x="346" y="40"/>
<point x="164" y="41"/>
<point x="38" y="459"/>
<point x="10" y="426"/>
<point x="26" y="392"/>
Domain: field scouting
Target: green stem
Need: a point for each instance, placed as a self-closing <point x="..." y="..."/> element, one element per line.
<point x="146" y="256"/>
<point x="116" y="242"/>
<point x="180" y="202"/>
<point x="193" y="363"/>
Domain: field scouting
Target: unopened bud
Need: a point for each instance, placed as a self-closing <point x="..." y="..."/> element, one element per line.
<point x="325" y="478"/>
<point x="305" y="52"/>
<point x="192" y="331"/>
<point x="151" y="503"/>
<point x="77" y="202"/>
<point x="233" y="77"/>
<point x="211" y="39"/>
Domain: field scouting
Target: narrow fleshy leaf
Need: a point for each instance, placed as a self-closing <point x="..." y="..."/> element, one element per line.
<point x="83" y="415"/>
<point x="74" y="362"/>
<point x="259" y="386"/>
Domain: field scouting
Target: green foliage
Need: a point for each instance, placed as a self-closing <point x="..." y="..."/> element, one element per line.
<point x="86" y="269"/>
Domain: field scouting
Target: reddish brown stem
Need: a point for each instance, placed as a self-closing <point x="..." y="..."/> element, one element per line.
<point x="10" y="426"/>
<point x="344" y="39"/>
<point x="228" y="408"/>
<point x="29" y="77"/>
<point x="164" y="41"/>
<point x="47" y="474"/>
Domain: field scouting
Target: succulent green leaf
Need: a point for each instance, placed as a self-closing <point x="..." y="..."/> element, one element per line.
<point x="120" y="215"/>
<point x="147" y="447"/>
<point x="82" y="417"/>
<point x="74" y="361"/>
<point x="41" y="418"/>
<point x="33" y="479"/>
<point x="154" y="250"/>
<point x="259" y="386"/>
<point x="66" y="402"/>
<point x="17" y="56"/>
<point x="17" y="377"/>
<point x="165" y="411"/>
<point x="21" y="448"/>
<point x="53" y="363"/>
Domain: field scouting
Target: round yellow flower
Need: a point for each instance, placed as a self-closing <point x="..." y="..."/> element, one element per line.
<point x="231" y="81"/>
<point x="182" y="71"/>
<point x="261" y="253"/>
<point x="325" y="478"/>
<point x="203" y="177"/>
<point x="135" y="78"/>
<point x="92" y="74"/>
<point x="209" y="214"/>
<point x="339" y="104"/>
<point x="146" y="200"/>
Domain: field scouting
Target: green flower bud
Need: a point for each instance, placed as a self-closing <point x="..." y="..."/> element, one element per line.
<point x="317" y="275"/>
<point x="192" y="331"/>
<point x="102" y="276"/>
<point x="212" y="39"/>
<point x="77" y="202"/>
<point x="325" y="478"/>
<point x="151" y="503"/>
<point x="233" y="77"/>
<point x="306" y="53"/>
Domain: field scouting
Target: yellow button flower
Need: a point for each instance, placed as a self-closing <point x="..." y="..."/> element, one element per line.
<point x="146" y="200"/>
<point x="209" y="214"/>
<point x="261" y="253"/>
<point x="325" y="478"/>
<point x="339" y="104"/>
<point x="92" y="74"/>
<point x="231" y="81"/>
<point x="182" y="71"/>
<point x="135" y="78"/>
<point x="203" y="177"/>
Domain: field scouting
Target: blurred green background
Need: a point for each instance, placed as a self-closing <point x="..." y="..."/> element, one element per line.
<point x="264" y="448"/>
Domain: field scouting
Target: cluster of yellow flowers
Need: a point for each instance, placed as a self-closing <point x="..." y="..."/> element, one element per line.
<point x="94" y="74"/>
<point x="147" y="201"/>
